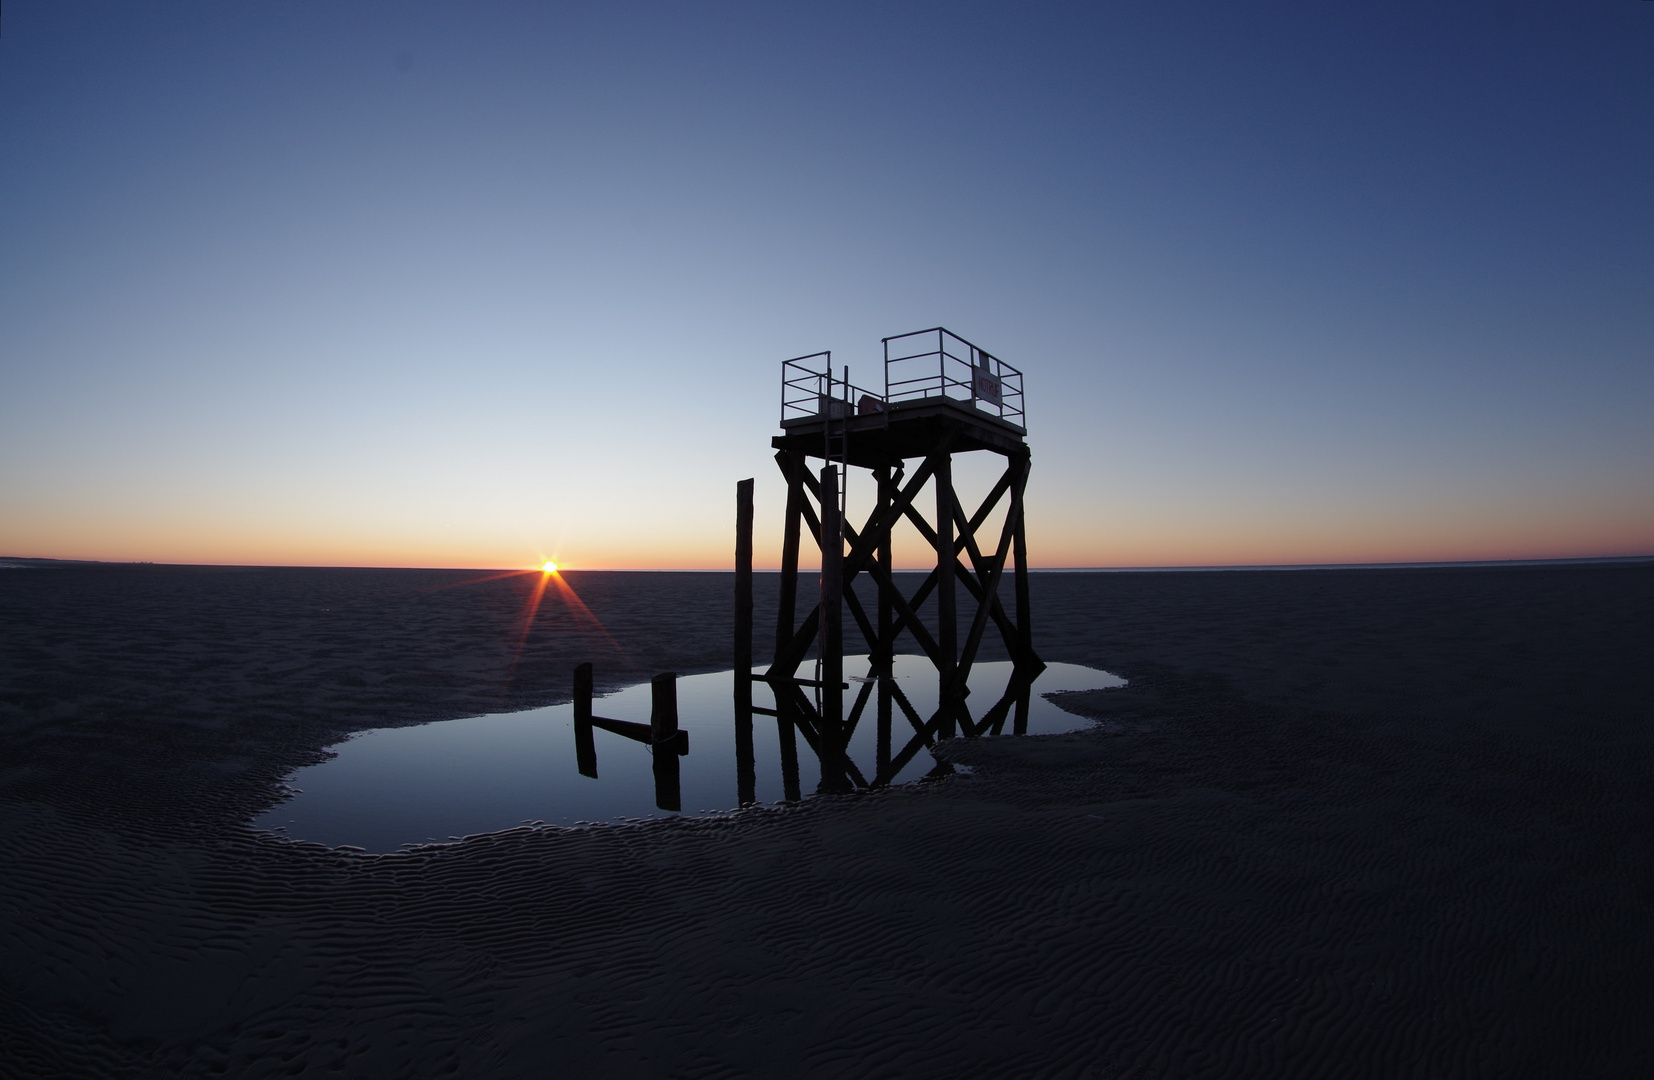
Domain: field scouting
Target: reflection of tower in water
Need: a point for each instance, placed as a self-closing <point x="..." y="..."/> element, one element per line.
<point x="942" y="396"/>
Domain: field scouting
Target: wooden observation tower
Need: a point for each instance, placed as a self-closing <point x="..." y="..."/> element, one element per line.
<point x="942" y="396"/>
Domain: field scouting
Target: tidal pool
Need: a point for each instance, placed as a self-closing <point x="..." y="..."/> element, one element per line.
<point x="436" y="782"/>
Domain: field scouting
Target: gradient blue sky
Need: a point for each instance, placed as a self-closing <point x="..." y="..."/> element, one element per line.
<point x="477" y="285"/>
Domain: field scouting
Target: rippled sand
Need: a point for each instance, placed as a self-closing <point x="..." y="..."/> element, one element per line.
<point x="1341" y="823"/>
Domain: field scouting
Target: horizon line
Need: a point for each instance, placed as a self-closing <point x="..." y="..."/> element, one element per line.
<point x="9" y="561"/>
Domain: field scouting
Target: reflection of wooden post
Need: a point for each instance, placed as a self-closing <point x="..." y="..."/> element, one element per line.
<point x="832" y="633"/>
<point x="947" y="622"/>
<point x="746" y="782"/>
<point x="790" y="789"/>
<point x="882" y="749"/>
<point x="585" y="751"/>
<point x="663" y="737"/>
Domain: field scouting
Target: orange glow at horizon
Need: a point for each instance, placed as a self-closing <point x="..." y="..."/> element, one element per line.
<point x="1066" y="529"/>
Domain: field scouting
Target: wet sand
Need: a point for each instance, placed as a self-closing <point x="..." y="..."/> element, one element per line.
<point x="1341" y="823"/>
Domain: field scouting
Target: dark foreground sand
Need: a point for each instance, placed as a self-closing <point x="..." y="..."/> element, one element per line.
<point x="1342" y="823"/>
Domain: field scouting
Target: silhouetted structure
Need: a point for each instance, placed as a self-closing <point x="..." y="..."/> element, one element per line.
<point x="942" y="396"/>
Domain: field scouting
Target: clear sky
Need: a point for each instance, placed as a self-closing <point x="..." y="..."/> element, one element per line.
<point x="480" y="284"/>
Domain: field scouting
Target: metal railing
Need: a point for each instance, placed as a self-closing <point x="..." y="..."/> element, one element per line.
<point x="934" y="363"/>
<point x="939" y="363"/>
<point x="809" y="390"/>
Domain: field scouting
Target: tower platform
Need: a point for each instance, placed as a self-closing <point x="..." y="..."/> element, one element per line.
<point x="936" y="384"/>
<point x="900" y="430"/>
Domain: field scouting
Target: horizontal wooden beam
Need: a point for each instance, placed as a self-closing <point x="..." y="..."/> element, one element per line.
<point x="642" y="733"/>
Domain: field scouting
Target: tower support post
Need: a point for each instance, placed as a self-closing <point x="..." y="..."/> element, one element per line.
<point x="831" y="641"/>
<point x="947" y="615"/>
<point x="745" y="769"/>
<point x="883" y="650"/>
<point x="792" y="465"/>
<point x="1025" y="628"/>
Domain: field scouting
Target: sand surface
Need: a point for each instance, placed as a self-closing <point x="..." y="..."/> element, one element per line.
<point x="1341" y="823"/>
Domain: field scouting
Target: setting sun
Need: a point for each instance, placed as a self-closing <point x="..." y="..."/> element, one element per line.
<point x="549" y="567"/>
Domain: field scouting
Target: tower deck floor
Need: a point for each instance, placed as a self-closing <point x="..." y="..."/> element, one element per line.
<point x="907" y="429"/>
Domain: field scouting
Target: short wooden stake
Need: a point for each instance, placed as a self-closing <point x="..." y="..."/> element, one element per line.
<point x="663" y="729"/>
<point x="585" y="750"/>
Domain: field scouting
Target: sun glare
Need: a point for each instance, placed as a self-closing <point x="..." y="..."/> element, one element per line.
<point x="549" y="567"/>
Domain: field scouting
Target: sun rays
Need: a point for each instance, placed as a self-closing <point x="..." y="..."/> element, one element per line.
<point x="550" y="575"/>
<point x="547" y="577"/>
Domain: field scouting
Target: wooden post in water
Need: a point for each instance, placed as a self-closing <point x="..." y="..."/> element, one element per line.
<point x="746" y="780"/>
<point x="832" y="634"/>
<point x="664" y="739"/>
<point x="585" y="751"/>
